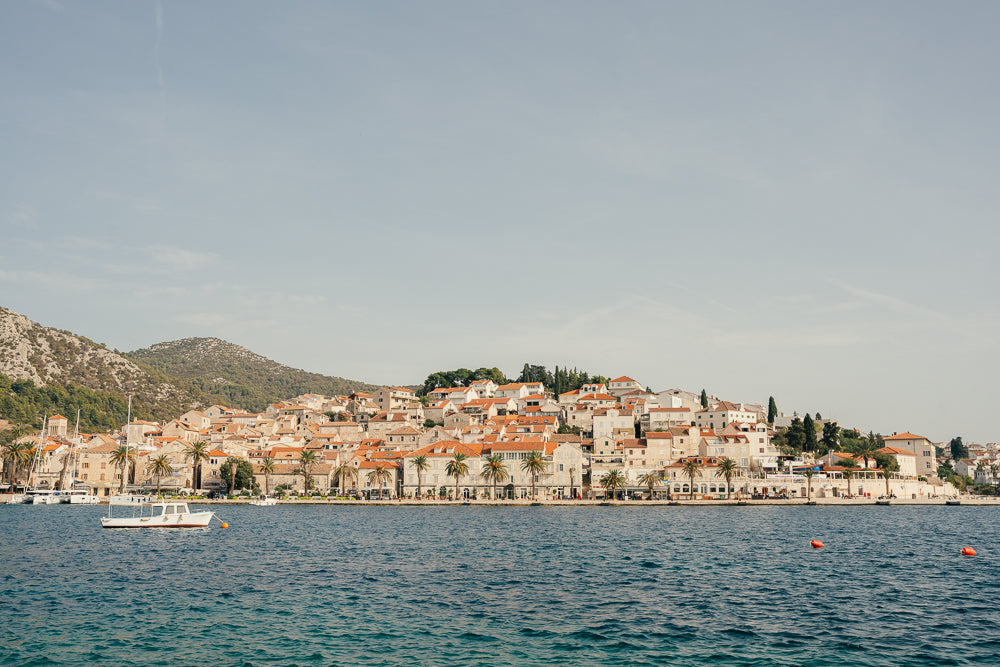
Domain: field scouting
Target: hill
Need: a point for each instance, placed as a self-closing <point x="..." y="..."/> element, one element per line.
<point x="45" y="370"/>
<point x="222" y="372"/>
<point x="33" y="356"/>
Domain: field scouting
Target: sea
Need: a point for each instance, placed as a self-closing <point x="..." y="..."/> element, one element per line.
<point x="482" y="585"/>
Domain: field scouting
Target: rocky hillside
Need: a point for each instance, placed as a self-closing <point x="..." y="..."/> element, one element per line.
<point x="164" y="380"/>
<point x="46" y="356"/>
<point x="233" y="375"/>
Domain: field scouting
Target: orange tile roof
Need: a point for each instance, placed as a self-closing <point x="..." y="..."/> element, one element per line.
<point x="904" y="436"/>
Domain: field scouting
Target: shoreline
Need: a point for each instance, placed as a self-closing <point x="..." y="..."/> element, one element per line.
<point x="816" y="502"/>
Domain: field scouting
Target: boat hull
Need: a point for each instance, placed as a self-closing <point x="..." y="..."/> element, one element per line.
<point x="191" y="520"/>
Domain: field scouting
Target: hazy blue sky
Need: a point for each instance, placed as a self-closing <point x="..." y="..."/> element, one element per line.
<point x="758" y="198"/>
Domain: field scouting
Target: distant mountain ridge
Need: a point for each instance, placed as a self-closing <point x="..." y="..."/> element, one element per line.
<point x="164" y="380"/>
<point x="231" y="374"/>
<point x="47" y="356"/>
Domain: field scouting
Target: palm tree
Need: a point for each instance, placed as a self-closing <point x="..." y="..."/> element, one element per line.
<point x="650" y="479"/>
<point x="866" y="452"/>
<point x="197" y="452"/>
<point x="26" y="457"/>
<point x="534" y="464"/>
<point x="342" y="473"/>
<point x="994" y="471"/>
<point x="420" y="464"/>
<point x="267" y="467"/>
<point x="613" y="481"/>
<point x="809" y="472"/>
<point x="457" y="468"/>
<point x="380" y="475"/>
<point x="234" y="463"/>
<point x="159" y="466"/>
<point x="307" y="458"/>
<point x="848" y="474"/>
<point x="885" y="474"/>
<point x="727" y="468"/>
<point x="120" y="458"/>
<point x="692" y="469"/>
<point x="17" y="455"/>
<point x="494" y="471"/>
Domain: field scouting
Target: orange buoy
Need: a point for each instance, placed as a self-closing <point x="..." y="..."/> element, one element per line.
<point x="816" y="544"/>
<point x="968" y="551"/>
<point x="225" y="525"/>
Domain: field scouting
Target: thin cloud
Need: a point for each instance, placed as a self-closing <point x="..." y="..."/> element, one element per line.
<point x="24" y="215"/>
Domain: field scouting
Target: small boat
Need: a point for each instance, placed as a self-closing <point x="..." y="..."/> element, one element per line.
<point x="810" y="502"/>
<point x="741" y="502"/>
<point x="42" y="497"/>
<point x="79" y="497"/>
<point x="953" y="502"/>
<point x="158" y="515"/>
<point x="881" y="502"/>
<point x="264" y="501"/>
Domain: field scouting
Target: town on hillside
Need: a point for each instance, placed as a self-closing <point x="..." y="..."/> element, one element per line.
<point x="486" y="441"/>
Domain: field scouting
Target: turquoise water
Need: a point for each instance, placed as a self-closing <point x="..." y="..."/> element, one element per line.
<point x="472" y="585"/>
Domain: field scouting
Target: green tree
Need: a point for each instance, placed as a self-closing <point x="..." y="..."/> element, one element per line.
<point x="958" y="449"/>
<point x="727" y="468"/>
<point x="232" y="463"/>
<point x="307" y="459"/>
<point x="457" y="468"/>
<point x="613" y="482"/>
<point x="159" y="467"/>
<point x="534" y="464"/>
<point x="267" y="468"/>
<point x="494" y="470"/>
<point x="122" y="457"/>
<point x="381" y="476"/>
<point x="343" y="472"/>
<point x="849" y="468"/>
<point x="650" y="479"/>
<point x="420" y="464"/>
<point x="865" y="452"/>
<point x="197" y="452"/>
<point x="693" y="470"/>
<point x="17" y="456"/>
<point x="772" y="410"/>
<point x="886" y="475"/>
<point x="795" y="435"/>
<point x="809" y="433"/>
<point x="704" y="399"/>
<point x="237" y="473"/>
<point x="829" y="440"/>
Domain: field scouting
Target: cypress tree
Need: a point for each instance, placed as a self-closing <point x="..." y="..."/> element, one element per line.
<point x="772" y="410"/>
<point x="809" y="445"/>
<point x="704" y="399"/>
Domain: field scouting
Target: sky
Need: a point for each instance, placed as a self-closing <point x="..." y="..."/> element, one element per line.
<point x="760" y="199"/>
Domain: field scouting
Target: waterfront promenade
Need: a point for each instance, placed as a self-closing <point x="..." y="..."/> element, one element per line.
<point x="841" y="502"/>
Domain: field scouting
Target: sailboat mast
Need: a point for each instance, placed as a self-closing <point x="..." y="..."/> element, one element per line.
<point x="128" y="420"/>
<point x="76" y="448"/>
<point x="38" y="453"/>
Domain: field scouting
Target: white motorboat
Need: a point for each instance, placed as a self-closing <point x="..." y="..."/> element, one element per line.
<point x="264" y="501"/>
<point x="42" y="497"/>
<point x="15" y="499"/>
<point x="158" y="515"/>
<point x="79" y="497"/>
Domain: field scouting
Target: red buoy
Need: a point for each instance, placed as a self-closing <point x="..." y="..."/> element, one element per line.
<point x="816" y="544"/>
<point x="968" y="551"/>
